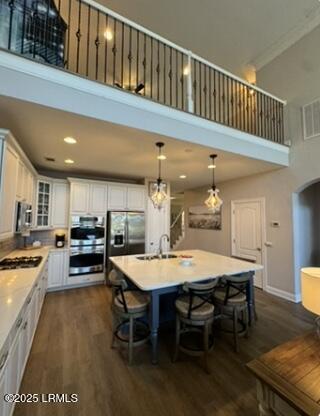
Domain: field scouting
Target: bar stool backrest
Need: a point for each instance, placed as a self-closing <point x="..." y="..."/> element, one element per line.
<point x="236" y="285"/>
<point x="204" y="291"/>
<point x="118" y="285"/>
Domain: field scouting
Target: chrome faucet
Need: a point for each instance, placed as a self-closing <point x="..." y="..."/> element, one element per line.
<point x="160" y="243"/>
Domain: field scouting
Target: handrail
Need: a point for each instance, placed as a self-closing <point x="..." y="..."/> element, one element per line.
<point x="177" y="218"/>
<point x="86" y="38"/>
<point x="148" y="32"/>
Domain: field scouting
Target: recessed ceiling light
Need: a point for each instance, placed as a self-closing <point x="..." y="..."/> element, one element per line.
<point x="108" y="34"/>
<point x="69" y="161"/>
<point x="182" y="176"/>
<point x="211" y="166"/>
<point x="70" y="140"/>
<point x="162" y="157"/>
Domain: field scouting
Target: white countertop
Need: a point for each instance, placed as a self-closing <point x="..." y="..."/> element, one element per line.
<point x="15" y="287"/>
<point x="156" y="274"/>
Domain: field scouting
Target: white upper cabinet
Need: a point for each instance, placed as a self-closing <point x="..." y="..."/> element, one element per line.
<point x="136" y="198"/>
<point x="60" y="205"/>
<point x="98" y="199"/>
<point x="25" y="184"/>
<point x="20" y="180"/>
<point x="126" y="197"/>
<point x="44" y="197"/>
<point x="117" y="197"/>
<point x="79" y="200"/>
<point x="88" y="198"/>
<point x="52" y="203"/>
<point x="9" y="173"/>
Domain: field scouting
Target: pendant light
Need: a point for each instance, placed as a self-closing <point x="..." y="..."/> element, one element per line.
<point x="213" y="202"/>
<point x="159" y="196"/>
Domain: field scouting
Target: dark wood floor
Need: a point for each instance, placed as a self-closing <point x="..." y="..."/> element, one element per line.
<point x="71" y="354"/>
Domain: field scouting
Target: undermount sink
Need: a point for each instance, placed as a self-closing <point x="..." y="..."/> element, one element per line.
<point x="154" y="257"/>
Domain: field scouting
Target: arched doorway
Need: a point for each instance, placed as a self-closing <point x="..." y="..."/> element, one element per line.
<point x="306" y="229"/>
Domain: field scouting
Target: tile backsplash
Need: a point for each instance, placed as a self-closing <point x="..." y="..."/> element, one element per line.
<point x="47" y="238"/>
<point x="8" y="245"/>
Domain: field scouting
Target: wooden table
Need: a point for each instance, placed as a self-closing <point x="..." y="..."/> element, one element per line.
<point x="288" y="378"/>
<point x="165" y="276"/>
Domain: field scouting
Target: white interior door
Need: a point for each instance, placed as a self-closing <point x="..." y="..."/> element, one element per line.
<point x="248" y="233"/>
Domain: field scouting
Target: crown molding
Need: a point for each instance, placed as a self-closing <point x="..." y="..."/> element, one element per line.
<point x="305" y="26"/>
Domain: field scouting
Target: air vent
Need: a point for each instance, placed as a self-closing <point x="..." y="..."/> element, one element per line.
<point x="311" y="120"/>
<point x="50" y="159"/>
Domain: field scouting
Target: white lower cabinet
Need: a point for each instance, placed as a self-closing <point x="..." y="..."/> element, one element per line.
<point x="58" y="268"/>
<point x="16" y="351"/>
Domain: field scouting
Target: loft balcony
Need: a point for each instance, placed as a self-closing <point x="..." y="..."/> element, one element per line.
<point x="85" y="38"/>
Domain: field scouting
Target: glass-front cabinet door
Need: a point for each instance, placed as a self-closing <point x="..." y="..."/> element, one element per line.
<point x="43" y="204"/>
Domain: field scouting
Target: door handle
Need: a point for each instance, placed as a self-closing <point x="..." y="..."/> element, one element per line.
<point x="259" y="248"/>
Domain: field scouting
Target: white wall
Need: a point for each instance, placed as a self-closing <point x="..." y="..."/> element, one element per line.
<point x="293" y="75"/>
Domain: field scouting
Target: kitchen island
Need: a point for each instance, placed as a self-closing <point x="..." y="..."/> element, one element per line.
<point x="167" y="275"/>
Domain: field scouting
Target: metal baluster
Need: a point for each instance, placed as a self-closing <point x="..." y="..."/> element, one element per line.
<point x="228" y="101"/>
<point x="182" y="80"/>
<point x="106" y="52"/>
<point x="170" y="75"/>
<point x="88" y="41"/>
<point x="46" y="34"/>
<point x="177" y="86"/>
<point x="205" y="90"/>
<point x="158" y="70"/>
<point x="218" y="97"/>
<point x="130" y="56"/>
<point x="11" y="7"/>
<point x="165" y="73"/>
<point x="144" y="63"/>
<point x="68" y="37"/>
<point x="224" y="98"/>
<point x="214" y="95"/>
<point x="272" y="119"/>
<point x="243" y="107"/>
<point x="78" y="35"/>
<point x="151" y="70"/>
<point x="277" y="122"/>
<point x="200" y="87"/>
<point x="210" y="93"/>
<point x="195" y="86"/>
<point x="97" y="43"/>
<point x="282" y="124"/>
<point x="122" y="54"/>
<point x="34" y="21"/>
<point x="137" y="62"/>
<point x="23" y="25"/>
<point x="114" y="50"/>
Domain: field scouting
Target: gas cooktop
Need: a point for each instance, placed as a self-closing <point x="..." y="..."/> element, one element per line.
<point x="20" y="262"/>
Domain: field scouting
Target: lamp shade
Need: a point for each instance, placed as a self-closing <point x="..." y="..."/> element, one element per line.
<point x="310" y="289"/>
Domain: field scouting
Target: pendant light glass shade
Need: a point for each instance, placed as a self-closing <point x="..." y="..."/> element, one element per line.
<point x="213" y="202"/>
<point x="158" y="194"/>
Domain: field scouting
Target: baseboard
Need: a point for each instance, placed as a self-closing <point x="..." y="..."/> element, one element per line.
<point x="296" y="298"/>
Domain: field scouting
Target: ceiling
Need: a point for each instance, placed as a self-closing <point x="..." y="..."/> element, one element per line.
<point x="230" y="33"/>
<point x="107" y="150"/>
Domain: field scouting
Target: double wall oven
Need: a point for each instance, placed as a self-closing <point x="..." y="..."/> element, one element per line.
<point x="87" y="245"/>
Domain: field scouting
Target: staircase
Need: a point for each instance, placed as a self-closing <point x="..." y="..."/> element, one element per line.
<point x="177" y="229"/>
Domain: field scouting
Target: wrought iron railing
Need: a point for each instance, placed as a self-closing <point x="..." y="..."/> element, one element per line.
<point x="85" y="38"/>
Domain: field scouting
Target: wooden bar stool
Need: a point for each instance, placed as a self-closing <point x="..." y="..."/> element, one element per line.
<point x="128" y="307"/>
<point x="231" y="300"/>
<point x="195" y="314"/>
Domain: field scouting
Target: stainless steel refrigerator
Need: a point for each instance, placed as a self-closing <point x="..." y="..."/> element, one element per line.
<point x="126" y="234"/>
